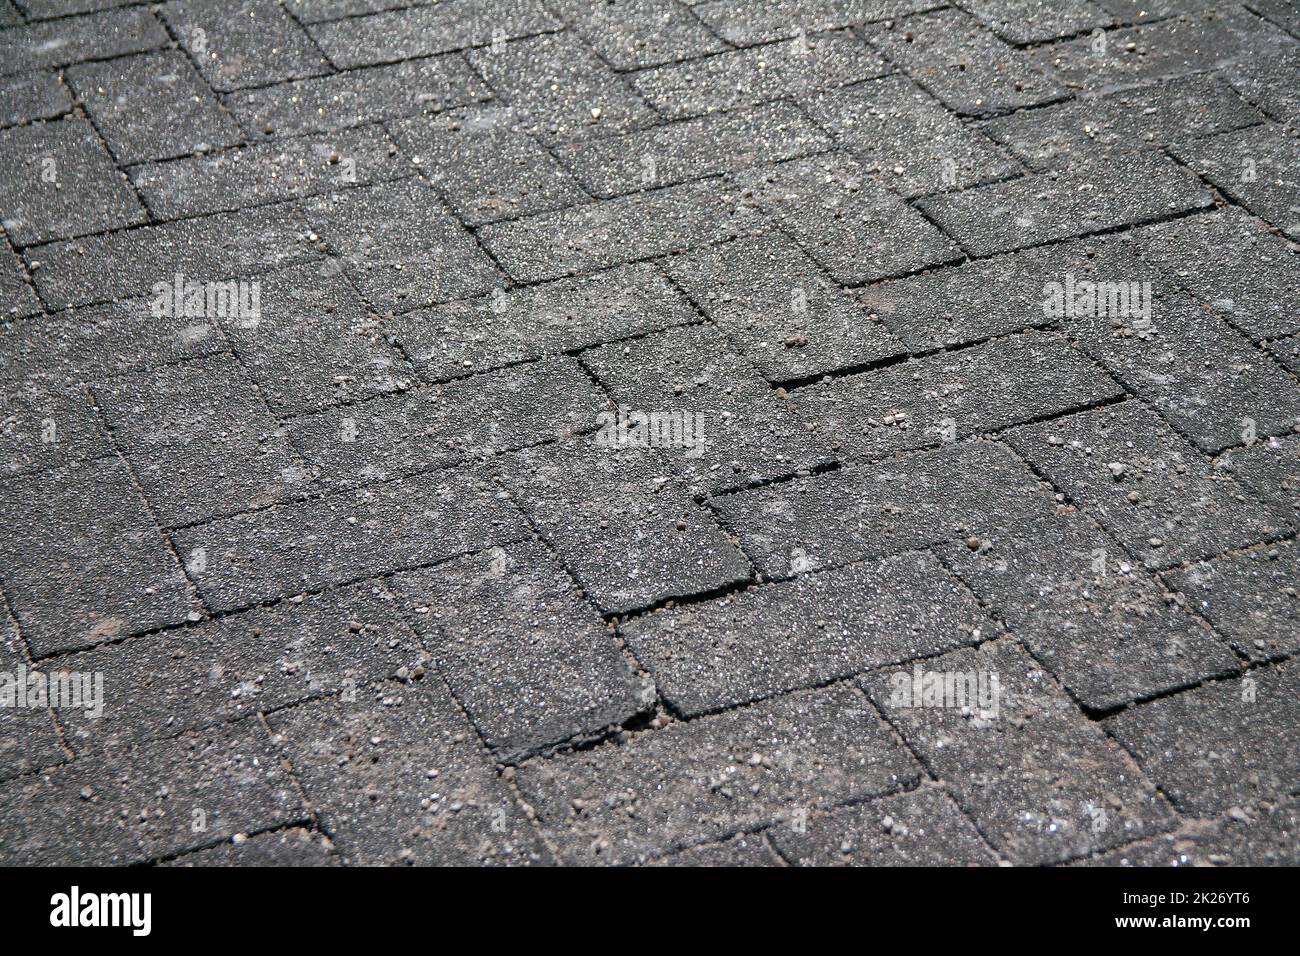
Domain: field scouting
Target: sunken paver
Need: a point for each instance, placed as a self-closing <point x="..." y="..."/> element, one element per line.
<point x="846" y="220"/>
<point x="922" y="828"/>
<point x="467" y="419"/>
<point x="779" y="310"/>
<point x="744" y="24"/>
<point x="908" y="139"/>
<point x="1109" y="631"/>
<point x="152" y="106"/>
<point x="1225" y="744"/>
<point x="718" y="423"/>
<point x="1146" y="484"/>
<point x="1087" y="198"/>
<point x="524" y="652"/>
<point x="952" y="395"/>
<point x="29" y="740"/>
<point x="1204" y="377"/>
<point x="46" y="429"/>
<point x="562" y="89"/>
<point x="880" y="508"/>
<point x="246" y="43"/>
<point x="281" y="551"/>
<point x="1264" y="836"/>
<point x="1028" y="21"/>
<point x="1042" y="783"/>
<point x="597" y="236"/>
<point x="1148" y="117"/>
<point x="399" y="780"/>
<point x="203" y="420"/>
<point x="1230" y="262"/>
<point x="313" y="342"/>
<point x="742" y="78"/>
<point x="32" y="96"/>
<point x="693" y="149"/>
<point x="485" y="165"/>
<point x="161" y="685"/>
<point x="504" y="328"/>
<point x="401" y="246"/>
<point x="963" y="63"/>
<point x="267" y="172"/>
<point x="1255" y="167"/>
<point x="59" y="183"/>
<point x="631" y="34"/>
<point x="1251" y="598"/>
<point x="295" y="846"/>
<point x="820" y="627"/>
<point x="120" y="265"/>
<point x="357" y="97"/>
<point x="388" y="37"/>
<point x="82" y="561"/>
<point x="712" y="777"/>
<point x="1193" y="43"/>
<point x="96" y="343"/>
<point x="98" y="37"/>
<point x="630" y="534"/>
<point x="143" y="803"/>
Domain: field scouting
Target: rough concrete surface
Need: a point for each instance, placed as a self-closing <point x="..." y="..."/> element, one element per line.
<point x="651" y="432"/>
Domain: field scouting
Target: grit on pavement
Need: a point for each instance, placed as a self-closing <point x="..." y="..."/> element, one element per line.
<point x="687" y="432"/>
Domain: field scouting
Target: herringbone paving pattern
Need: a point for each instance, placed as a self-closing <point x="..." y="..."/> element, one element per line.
<point x="694" y="432"/>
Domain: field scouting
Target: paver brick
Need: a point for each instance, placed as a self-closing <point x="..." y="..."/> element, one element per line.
<point x="524" y="324"/>
<point x="523" y="651"/>
<point x="143" y="803"/>
<point x="599" y="235"/>
<point x="1267" y="836"/>
<point x="951" y="395"/>
<point x="1146" y="484"/>
<point x="81" y="560"/>
<point x="1041" y="782"/>
<point x="921" y="828"/>
<point x="881" y="508"/>
<point x="734" y="429"/>
<point x="1107" y="630"/>
<point x="1028" y="21"/>
<point x="744" y="849"/>
<point x="292" y="847"/>
<point x="1087" y="198"/>
<point x="486" y="166"/>
<point x="850" y="224"/>
<point x="41" y="429"/>
<point x="246" y="43"/>
<point x="820" y="627"/>
<point x="340" y="642"/>
<point x="388" y="37"/>
<point x="401" y="246"/>
<point x="630" y="535"/>
<point x="401" y="781"/>
<point x="468" y="419"/>
<point x="745" y="24"/>
<point x="1287" y="352"/>
<point x="562" y="90"/>
<point x="963" y="63"/>
<point x="60" y="183"/>
<point x="740" y="78"/>
<point x="1255" y="167"/>
<point x="152" y="106"/>
<point x="631" y="34"/>
<point x="29" y="739"/>
<point x="1221" y="745"/>
<point x="97" y="37"/>
<point x="32" y="96"/>
<point x="200" y="440"/>
<point x="311" y="544"/>
<point x="694" y="782"/>
<point x="267" y="172"/>
<point x="907" y="138"/>
<point x="693" y="149"/>
<point x="1270" y="469"/>
<point x="779" y="310"/>
<point x="17" y="299"/>
<point x="1264" y="80"/>
<point x="357" y="97"/>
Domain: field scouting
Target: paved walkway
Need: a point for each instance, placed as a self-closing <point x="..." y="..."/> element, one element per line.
<point x="674" y="431"/>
